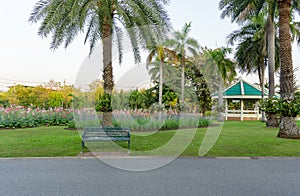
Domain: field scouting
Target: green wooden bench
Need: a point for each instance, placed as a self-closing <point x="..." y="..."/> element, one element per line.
<point x="91" y="134"/>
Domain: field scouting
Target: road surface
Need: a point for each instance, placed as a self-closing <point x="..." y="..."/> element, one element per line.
<point x="184" y="176"/>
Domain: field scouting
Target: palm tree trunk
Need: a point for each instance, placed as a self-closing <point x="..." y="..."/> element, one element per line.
<point x="271" y="55"/>
<point x="160" y="90"/>
<point x="288" y="127"/>
<point x="262" y="86"/>
<point x="220" y="101"/>
<point x="107" y="74"/>
<point x="160" y="84"/>
<point x="182" y="79"/>
<point x="271" y="118"/>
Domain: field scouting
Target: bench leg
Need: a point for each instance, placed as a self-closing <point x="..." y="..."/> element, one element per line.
<point x="82" y="146"/>
<point x="128" y="146"/>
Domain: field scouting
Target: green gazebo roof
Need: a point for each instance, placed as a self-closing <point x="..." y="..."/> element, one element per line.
<point x="241" y="89"/>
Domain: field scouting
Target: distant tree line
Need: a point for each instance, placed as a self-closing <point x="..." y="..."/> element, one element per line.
<point x="37" y="97"/>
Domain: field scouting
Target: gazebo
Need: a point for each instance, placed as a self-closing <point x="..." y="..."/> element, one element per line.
<point x="241" y="101"/>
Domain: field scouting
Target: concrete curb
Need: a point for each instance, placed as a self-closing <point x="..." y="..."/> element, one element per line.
<point x="149" y="157"/>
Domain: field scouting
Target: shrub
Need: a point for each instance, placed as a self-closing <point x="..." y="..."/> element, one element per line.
<point x="282" y="107"/>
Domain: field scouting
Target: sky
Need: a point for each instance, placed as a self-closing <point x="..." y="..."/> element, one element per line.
<point x="26" y="57"/>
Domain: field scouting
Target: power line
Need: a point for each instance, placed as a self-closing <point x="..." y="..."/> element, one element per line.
<point x="26" y="81"/>
<point x="21" y="81"/>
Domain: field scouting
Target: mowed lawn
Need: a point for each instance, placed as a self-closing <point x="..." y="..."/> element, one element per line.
<point x="39" y="142"/>
<point x="253" y="139"/>
<point x="237" y="139"/>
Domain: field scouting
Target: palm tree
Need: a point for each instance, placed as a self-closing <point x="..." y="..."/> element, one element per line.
<point x="288" y="127"/>
<point x="226" y="71"/>
<point x="100" y="20"/>
<point x="162" y="54"/>
<point x="240" y="10"/>
<point x="251" y="52"/>
<point x="170" y="74"/>
<point x="181" y="44"/>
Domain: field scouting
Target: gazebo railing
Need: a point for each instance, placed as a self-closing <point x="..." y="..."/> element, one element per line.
<point x="242" y="114"/>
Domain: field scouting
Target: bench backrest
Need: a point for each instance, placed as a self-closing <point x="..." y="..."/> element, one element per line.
<point x="110" y="132"/>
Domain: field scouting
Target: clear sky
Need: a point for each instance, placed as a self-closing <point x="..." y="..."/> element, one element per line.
<point x="24" y="56"/>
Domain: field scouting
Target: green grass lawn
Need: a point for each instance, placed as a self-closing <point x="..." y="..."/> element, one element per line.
<point x="252" y="139"/>
<point x="39" y="142"/>
<point x="236" y="139"/>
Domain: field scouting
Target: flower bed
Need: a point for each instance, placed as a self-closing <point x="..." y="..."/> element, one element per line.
<point x="142" y="121"/>
<point x="21" y="117"/>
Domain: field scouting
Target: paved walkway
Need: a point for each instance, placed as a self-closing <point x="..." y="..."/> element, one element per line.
<point x="185" y="176"/>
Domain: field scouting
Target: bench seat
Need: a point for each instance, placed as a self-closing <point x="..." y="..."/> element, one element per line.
<point x="105" y="134"/>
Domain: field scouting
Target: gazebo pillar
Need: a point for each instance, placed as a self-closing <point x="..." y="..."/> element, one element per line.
<point x="226" y="109"/>
<point x="242" y="109"/>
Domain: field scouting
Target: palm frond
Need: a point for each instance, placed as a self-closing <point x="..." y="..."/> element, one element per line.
<point x="39" y="10"/>
<point x="119" y="40"/>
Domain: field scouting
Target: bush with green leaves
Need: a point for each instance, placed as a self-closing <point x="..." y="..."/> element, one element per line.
<point x="104" y="103"/>
<point x="282" y="107"/>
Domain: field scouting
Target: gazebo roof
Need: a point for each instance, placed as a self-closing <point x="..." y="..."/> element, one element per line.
<point x="242" y="89"/>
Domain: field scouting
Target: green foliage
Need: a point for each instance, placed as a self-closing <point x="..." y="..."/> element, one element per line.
<point x="211" y="114"/>
<point x="251" y="40"/>
<point x="170" y="98"/>
<point x="183" y="43"/>
<point x="53" y="95"/>
<point x="199" y="86"/>
<point x="104" y="103"/>
<point x="282" y="107"/>
<point x="97" y="19"/>
<point x="56" y="99"/>
<point x="71" y="124"/>
<point x="4" y="102"/>
<point x="136" y="100"/>
<point x="120" y="100"/>
<point x="219" y="58"/>
<point x="139" y="120"/>
<point x="144" y="21"/>
<point x="20" y="117"/>
<point x="147" y="99"/>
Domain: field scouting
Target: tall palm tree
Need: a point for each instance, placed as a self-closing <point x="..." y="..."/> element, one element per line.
<point x="288" y="127"/>
<point x="182" y="44"/>
<point x="162" y="54"/>
<point x="251" y="52"/>
<point x="226" y="71"/>
<point x="100" y="19"/>
<point x="240" y="10"/>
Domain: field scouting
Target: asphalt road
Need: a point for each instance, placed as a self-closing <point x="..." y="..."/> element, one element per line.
<point x="185" y="176"/>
